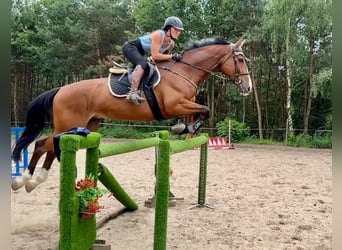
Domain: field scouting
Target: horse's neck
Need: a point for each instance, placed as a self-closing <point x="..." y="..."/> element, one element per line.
<point x="206" y="57"/>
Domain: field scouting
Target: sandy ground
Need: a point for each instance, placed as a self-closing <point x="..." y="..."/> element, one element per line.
<point x="264" y="197"/>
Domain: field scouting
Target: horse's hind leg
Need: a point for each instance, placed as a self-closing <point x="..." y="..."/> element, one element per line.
<point x="43" y="173"/>
<point x="20" y="181"/>
<point x="39" y="150"/>
<point x="93" y="124"/>
<point x="45" y="147"/>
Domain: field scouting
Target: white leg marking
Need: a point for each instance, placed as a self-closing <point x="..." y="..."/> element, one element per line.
<point x="20" y="181"/>
<point x="32" y="184"/>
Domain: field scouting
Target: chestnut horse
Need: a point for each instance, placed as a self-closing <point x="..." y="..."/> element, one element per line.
<point x="85" y="103"/>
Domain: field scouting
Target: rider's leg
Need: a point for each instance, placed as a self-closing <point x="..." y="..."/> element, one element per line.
<point x="134" y="52"/>
<point x="135" y="94"/>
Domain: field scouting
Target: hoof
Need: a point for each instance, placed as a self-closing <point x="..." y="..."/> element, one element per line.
<point x="16" y="184"/>
<point x="29" y="186"/>
<point x="178" y="128"/>
<point x="20" y="181"/>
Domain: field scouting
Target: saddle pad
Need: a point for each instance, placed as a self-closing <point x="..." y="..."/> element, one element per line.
<point x="119" y="84"/>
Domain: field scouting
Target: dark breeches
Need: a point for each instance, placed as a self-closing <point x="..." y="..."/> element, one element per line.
<point x="134" y="52"/>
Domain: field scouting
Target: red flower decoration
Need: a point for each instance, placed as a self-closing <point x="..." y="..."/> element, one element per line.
<point x="88" y="195"/>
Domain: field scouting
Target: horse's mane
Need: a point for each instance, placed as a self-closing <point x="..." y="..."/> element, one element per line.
<point x="194" y="44"/>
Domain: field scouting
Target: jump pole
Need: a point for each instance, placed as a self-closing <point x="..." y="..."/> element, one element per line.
<point x="230" y="145"/>
<point x="183" y="145"/>
<point x="151" y="202"/>
<point x="110" y="149"/>
<point x="105" y="176"/>
<point x="162" y="194"/>
<point x="165" y="149"/>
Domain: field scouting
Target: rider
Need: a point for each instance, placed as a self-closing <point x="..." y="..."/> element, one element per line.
<point x="159" y="45"/>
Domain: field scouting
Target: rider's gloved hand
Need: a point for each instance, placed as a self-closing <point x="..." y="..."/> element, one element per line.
<point x="177" y="57"/>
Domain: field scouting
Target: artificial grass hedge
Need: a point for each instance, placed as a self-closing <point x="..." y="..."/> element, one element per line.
<point x="80" y="234"/>
<point x="76" y="233"/>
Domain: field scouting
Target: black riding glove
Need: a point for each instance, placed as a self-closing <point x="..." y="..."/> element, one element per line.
<point x="177" y="57"/>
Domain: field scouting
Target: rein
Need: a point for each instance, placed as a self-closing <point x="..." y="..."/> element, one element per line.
<point x="205" y="70"/>
<point x="237" y="70"/>
<point x="196" y="67"/>
<point x="179" y="74"/>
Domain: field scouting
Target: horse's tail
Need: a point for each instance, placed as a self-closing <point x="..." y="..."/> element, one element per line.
<point x="39" y="111"/>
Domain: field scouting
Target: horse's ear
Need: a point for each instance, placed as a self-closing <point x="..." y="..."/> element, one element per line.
<point x="239" y="43"/>
<point x="242" y="42"/>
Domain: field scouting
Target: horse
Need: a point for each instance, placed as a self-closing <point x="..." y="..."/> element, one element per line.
<point x="85" y="103"/>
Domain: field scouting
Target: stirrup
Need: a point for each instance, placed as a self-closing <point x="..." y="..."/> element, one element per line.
<point x="135" y="97"/>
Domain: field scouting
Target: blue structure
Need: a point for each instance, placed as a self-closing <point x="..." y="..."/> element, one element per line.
<point x="16" y="169"/>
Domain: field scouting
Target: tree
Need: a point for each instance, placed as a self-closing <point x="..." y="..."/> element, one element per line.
<point x="316" y="34"/>
<point x="280" y="21"/>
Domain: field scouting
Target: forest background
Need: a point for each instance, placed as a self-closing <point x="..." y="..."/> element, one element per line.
<point x="288" y="42"/>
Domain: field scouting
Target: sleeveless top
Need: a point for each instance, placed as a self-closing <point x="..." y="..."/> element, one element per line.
<point x="146" y="43"/>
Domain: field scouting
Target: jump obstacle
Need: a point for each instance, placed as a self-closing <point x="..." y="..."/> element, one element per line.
<point x="219" y="142"/>
<point x="222" y="142"/>
<point x="78" y="234"/>
<point x="19" y="167"/>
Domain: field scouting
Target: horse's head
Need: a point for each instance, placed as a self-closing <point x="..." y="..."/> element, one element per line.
<point x="234" y="65"/>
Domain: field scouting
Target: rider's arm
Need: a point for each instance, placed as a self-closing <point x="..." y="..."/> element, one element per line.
<point x="156" y="39"/>
<point x="170" y="49"/>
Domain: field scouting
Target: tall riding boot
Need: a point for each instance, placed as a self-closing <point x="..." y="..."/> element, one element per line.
<point x="134" y="94"/>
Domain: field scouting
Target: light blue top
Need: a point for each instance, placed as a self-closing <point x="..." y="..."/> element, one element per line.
<point x="146" y="43"/>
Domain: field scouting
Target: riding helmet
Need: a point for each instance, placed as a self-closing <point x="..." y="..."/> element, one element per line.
<point x="174" y="22"/>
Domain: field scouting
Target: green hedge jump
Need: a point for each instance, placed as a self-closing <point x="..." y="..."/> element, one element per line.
<point x="78" y="234"/>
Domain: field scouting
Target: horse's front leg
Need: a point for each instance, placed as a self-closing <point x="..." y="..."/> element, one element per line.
<point x="191" y="108"/>
<point x="192" y="128"/>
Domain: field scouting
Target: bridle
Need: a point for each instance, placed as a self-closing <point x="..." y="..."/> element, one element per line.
<point x="234" y="53"/>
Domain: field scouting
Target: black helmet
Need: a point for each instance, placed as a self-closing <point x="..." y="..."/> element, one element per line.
<point x="174" y="22"/>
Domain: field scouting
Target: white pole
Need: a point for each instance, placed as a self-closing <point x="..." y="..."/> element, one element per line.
<point x="230" y="146"/>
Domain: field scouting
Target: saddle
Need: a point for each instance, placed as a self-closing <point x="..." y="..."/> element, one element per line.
<point x="119" y="79"/>
<point x="119" y="84"/>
